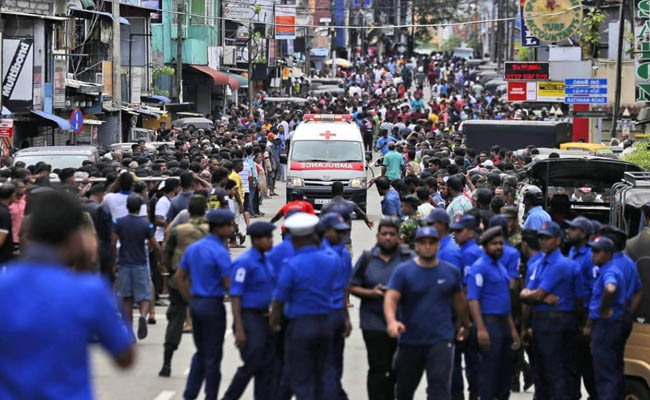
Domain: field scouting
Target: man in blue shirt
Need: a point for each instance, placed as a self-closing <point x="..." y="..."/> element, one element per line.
<point x="251" y="290"/>
<point x="554" y="289"/>
<point x="391" y="206"/>
<point x="384" y="141"/>
<point x="465" y="236"/>
<point x="488" y="294"/>
<point x="371" y="275"/>
<point x="45" y="353"/>
<point x="606" y="310"/>
<point x="429" y="292"/>
<point x="304" y="294"/>
<point x="393" y="164"/>
<point x="577" y="235"/>
<point x="511" y="257"/>
<point x="207" y="263"/>
<point x="133" y="274"/>
<point x="449" y="251"/>
<point x="535" y="214"/>
<point x="182" y="200"/>
<point x="334" y="229"/>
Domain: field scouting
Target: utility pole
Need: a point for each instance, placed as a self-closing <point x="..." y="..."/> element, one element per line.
<point x="332" y="39"/>
<point x="179" y="51"/>
<point x="117" y="67"/>
<point x="619" y="67"/>
<point x="307" y="53"/>
<point x="250" y="67"/>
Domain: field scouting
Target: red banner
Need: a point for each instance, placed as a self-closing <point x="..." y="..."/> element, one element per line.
<point x="311" y="166"/>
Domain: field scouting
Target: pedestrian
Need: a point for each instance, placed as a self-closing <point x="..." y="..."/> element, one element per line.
<point x="333" y="230"/>
<point x="7" y="198"/>
<point x="52" y="344"/>
<point x="304" y="296"/>
<point x="510" y="257"/>
<point x="179" y="239"/>
<point x="459" y="203"/>
<point x="391" y="205"/>
<point x="182" y="199"/>
<point x="533" y="201"/>
<point x="251" y="290"/>
<point x="553" y="290"/>
<point x="394" y="164"/>
<point x="369" y="281"/>
<point x="134" y="233"/>
<point x="345" y="207"/>
<point x="606" y="310"/>
<point x="207" y="263"/>
<point x="103" y="223"/>
<point x="488" y="295"/>
<point x="427" y="292"/>
<point x="409" y="220"/>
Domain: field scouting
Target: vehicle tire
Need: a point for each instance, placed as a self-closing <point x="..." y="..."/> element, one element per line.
<point x="636" y="389"/>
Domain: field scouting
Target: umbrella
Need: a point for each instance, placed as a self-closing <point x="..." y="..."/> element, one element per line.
<point x="341" y="62"/>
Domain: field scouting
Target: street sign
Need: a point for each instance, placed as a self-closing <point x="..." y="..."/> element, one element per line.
<point x="585" y="90"/>
<point x="590" y="114"/>
<point x="76" y="121"/>
<point x="6" y="128"/>
<point x="585" y="82"/>
<point x="526" y="71"/>
<point x="585" y="100"/>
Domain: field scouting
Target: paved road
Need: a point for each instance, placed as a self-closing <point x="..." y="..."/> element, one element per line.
<point x="142" y="381"/>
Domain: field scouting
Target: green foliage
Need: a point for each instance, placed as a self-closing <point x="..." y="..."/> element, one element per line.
<point x="432" y="12"/>
<point x="159" y="72"/>
<point x="523" y="53"/>
<point x="448" y="45"/>
<point x="475" y="43"/>
<point x="160" y="92"/>
<point x="640" y="156"/>
<point x="589" y="33"/>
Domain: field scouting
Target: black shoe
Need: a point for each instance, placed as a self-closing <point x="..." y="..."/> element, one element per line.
<point x="151" y="321"/>
<point x="142" y="328"/>
<point x="165" y="371"/>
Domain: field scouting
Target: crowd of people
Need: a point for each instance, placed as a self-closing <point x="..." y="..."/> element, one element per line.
<point x="469" y="275"/>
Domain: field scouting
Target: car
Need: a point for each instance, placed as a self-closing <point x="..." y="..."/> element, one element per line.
<point x="57" y="156"/>
<point x="463" y="52"/>
<point x="595" y="149"/>
<point x="193" y="123"/>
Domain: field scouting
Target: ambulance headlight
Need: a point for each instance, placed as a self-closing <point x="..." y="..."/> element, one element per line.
<point x="358" y="183"/>
<point x="296" y="182"/>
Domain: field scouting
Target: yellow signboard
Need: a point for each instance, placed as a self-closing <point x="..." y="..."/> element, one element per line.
<point x="550" y="91"/>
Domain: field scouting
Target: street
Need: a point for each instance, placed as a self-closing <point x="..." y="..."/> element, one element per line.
<point x="142" y="381"/>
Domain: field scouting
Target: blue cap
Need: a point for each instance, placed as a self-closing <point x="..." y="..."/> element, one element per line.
<point x="550" y="229"/>
<point x="466" y="221"/>
<point x="333" y="220"/>
<point x="438" y="215"/>
<point x="427" y="232"/>
<point x="500" y="221"/>
<point x="602" y="243"/>
<point x="595" y="225"/>
<point x="581" y="223"/>
<point x="260" y="229"/>
<point x="220" y="216"/>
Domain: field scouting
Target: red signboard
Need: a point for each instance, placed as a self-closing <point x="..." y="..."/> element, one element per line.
<point x="526" y="71"/>
<point x="522" y="91"/>
<point x="6" y="128"/>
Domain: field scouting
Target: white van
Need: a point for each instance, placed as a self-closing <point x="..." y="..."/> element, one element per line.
<point x="325" y="149"/>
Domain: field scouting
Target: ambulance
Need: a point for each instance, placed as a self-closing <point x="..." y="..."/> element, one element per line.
<point x="325" y="149"/>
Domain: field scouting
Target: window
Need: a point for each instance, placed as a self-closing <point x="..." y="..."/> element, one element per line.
<point x="326" y="151"/>
<point x="197" y="7"/>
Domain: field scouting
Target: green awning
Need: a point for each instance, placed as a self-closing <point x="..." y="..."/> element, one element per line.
<point x="88" y="4"/>
<point x="243" y="82"/>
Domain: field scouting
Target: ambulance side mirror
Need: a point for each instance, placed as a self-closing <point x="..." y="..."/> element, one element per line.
<point x="368" y="156"/>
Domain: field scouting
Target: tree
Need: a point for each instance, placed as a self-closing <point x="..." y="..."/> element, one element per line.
<point x="448" y="45"/>
<point x="433" y="12"/>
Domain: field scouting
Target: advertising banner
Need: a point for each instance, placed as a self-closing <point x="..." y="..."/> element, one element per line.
<point x="17" y="74"/>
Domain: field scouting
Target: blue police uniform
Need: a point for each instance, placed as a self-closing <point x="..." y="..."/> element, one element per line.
<point x="488" y="283"/>
<point x="44" y="350"/>
<point x="608" y="335"/>
<point x="470" y="251"/>
<point x="278" y="255"/>
<point x="555" y="326"/>
<point x="632" y="285"/>
<point x="305" y="286"/>
<point x="536" y="218"/>
<point x="391" y="204"/>
<point x="252" y="281"/>
<point x="428" y="342"/>
<point x="208" y="263"/>
<point x="510" y="260"/>
<point x="450" y="252"/>
<point x="334" y="369"/>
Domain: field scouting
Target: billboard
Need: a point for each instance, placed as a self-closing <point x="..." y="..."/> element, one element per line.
<point x="244" y="10"/>
<point x="285" y="22"/>
<point x="17" y="74"/>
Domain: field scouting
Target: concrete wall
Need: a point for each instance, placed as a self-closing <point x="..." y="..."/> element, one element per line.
<point x="607" y="69"/>
<point x="41" y="7"/>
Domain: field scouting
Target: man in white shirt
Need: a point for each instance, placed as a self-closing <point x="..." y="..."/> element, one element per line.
<point x="171" y="188"/>
<point x="117" y="201"/>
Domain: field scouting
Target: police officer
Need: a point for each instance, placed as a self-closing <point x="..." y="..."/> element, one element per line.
<point x="577" y="235"/>
<point x="553" y="291"/>
<point x="606" y="310"/>
<point x="208" y="264"/>
<point x="304" y="294"/>
<point x="251" y="289"/>
<point x="179" y="239"/>
<point x="488" y="295"/>
<point x="511" y="256"/>
<point x="427" y="292"/>
<point x="334" y="229"/>
<point x="535" y="214"/>
<point x="449" y="251"/>
<point x="465" y="235"/>
<point x="409" y="220"/>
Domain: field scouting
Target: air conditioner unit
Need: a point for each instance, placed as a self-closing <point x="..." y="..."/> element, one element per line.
<point x="229" y="55"/>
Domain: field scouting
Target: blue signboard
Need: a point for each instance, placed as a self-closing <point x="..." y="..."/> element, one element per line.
<point x="590" y="91"/>
<point x="76" y="121"/>
<point x="527" y="38"/>
<point x="585" y="82"/>
<point x="585" y="100"/>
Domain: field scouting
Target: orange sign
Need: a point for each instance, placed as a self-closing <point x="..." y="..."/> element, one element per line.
<point x="285" y="22"/>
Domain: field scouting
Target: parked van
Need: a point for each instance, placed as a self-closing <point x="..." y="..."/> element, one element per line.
<point x="326" y="149"/>
<point x="58" y="156"/>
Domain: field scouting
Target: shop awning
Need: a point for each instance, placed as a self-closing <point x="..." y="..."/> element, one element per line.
<point x="63" y="124"/>
<point x="89" y="13"/>
<point x="155" y="98"/>
<point x="243" y="82"/>
<point x="219" y="78"/>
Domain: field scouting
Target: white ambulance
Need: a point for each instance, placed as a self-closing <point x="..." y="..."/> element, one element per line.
<point x="325" y="149"/>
